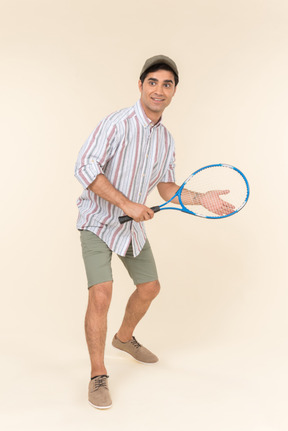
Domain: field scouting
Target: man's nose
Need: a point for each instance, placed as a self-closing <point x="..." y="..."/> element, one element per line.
<point x="158" y="90"/>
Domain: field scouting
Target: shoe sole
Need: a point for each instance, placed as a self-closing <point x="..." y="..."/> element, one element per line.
<point x="100" y="407"/>
<point x="137" y="360"/>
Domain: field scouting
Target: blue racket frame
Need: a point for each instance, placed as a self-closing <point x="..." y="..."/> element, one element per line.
<point x="186" y="210"/>
<point x="182" y="208"/>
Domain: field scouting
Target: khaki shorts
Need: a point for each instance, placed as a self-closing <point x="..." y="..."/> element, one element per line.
<point x="97" y="260"/>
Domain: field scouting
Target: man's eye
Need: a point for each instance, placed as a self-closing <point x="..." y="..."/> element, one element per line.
<point x="152" y="83"/>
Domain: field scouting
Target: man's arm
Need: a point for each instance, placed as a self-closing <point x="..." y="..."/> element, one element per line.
<point x="102" y="187"/>
<point x="167" y="190"/>
<point x="210" y="200"/>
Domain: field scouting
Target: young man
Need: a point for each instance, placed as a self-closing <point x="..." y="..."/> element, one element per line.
<point x="126" y="156"/>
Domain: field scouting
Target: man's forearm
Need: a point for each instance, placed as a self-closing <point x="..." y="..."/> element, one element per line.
<point x="102" y="187"/>
<point x="188" y="197"/>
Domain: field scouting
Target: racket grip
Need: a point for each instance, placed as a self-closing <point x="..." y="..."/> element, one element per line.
<point x="125" y="218"/>
<point x="155" y="209"/>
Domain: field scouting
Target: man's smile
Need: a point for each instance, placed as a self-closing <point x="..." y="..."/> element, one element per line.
<point x="157" y="99"/>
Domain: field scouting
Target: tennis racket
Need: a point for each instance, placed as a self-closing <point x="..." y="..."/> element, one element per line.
<point x="213" y="192"/>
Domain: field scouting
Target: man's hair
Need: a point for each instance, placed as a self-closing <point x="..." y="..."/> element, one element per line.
<point x="161" y="66"/>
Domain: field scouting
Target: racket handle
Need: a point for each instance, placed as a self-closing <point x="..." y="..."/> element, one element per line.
<point x="155" y="209"/>
<point x="125" y="218"/>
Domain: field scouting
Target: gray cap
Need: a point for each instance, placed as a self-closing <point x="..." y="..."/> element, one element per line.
<point x="160" y="59"/>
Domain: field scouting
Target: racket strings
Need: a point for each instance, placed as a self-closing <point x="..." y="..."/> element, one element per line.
<point x="215" y="191"/>
<point x="189" y="197"/>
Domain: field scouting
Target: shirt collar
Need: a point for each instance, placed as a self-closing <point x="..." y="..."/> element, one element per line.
<point x="144" y="120"/>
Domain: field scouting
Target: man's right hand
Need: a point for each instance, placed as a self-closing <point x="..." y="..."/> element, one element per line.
<point x="138" y="212"/>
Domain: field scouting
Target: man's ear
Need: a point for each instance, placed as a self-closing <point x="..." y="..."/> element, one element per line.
<point x="140" y="85"/>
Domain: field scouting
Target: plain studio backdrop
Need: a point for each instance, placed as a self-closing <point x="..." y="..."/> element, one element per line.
<point x="219" y="325"/>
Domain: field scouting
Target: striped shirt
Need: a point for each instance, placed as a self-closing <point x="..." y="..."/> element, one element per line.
<point x="135" y="156"/>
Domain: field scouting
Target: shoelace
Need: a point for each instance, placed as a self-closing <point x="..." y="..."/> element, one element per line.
<point x="135" y="343"/>
<point x="100" y="381"/>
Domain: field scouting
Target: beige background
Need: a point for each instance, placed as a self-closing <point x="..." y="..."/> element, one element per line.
<point x="220" y="324"/>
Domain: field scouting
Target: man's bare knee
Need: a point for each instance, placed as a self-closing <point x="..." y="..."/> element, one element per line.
<point x="148" y="291"/>
<point x="100" y="297"/>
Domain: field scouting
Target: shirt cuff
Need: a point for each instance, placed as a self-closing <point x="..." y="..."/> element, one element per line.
<point x="169" y="177"/>
<point x="87" y="174"/>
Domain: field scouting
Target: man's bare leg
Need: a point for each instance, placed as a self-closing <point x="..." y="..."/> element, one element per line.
<point x="96" y="325"/>
<point x="136" y="308"/>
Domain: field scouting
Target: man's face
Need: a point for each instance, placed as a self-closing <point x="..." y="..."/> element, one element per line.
<point x="157" y="91"/>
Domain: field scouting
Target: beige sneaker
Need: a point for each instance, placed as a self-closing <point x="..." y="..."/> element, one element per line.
<point x="98" y="394"/>
<point x="135" y="349"/>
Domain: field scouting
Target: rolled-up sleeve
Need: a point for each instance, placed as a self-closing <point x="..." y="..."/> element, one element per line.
<point x="95" y="153"/>
<point x="169" y="175"/>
